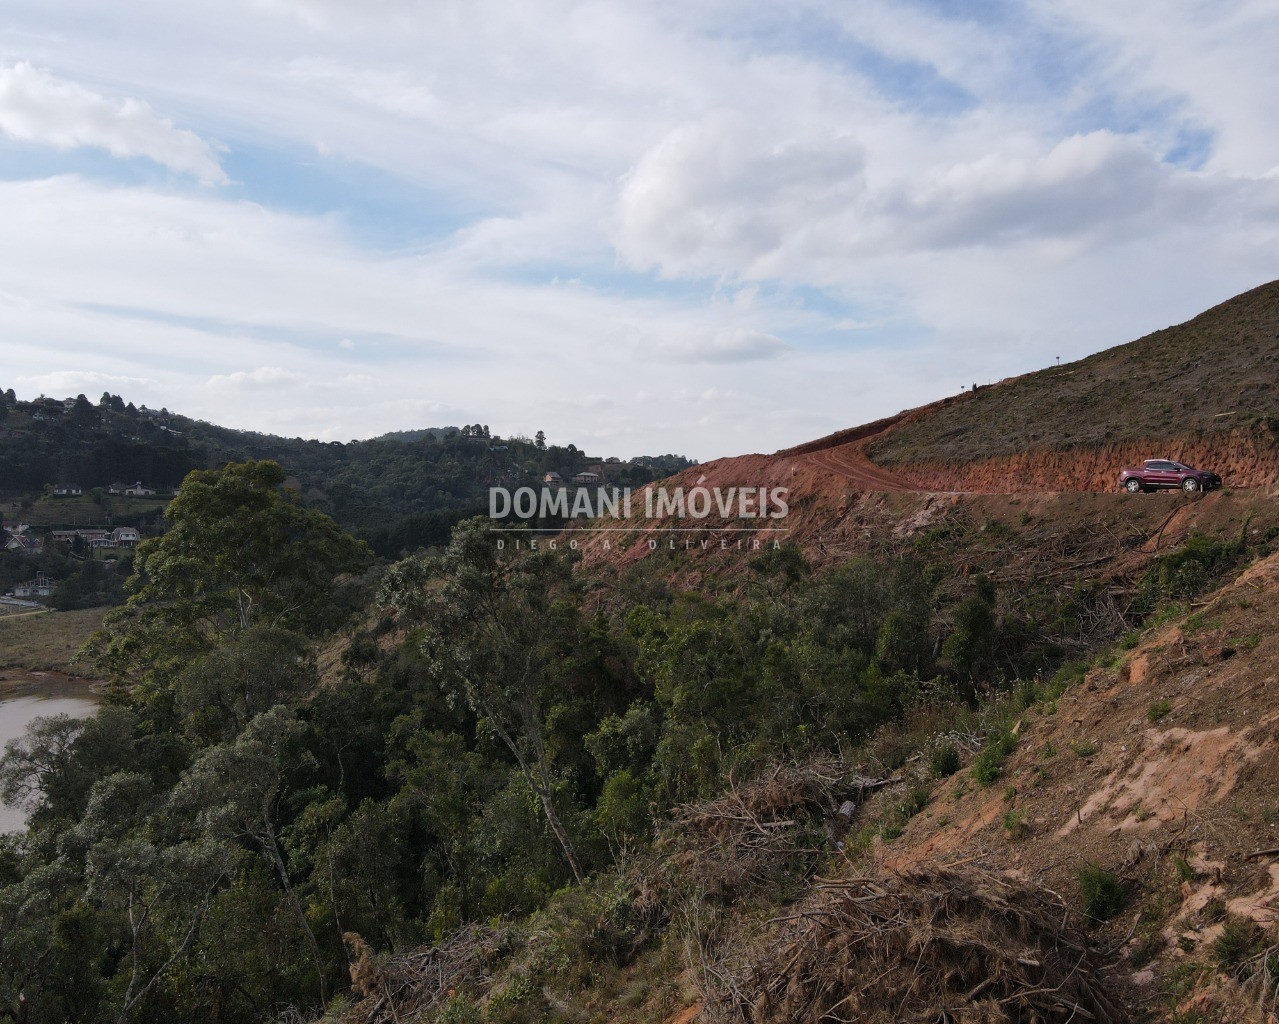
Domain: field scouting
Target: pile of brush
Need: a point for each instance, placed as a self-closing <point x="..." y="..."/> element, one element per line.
<point x="739" y="840"/>
<point x="930" y="944"/>
<point x="395" y="988"/>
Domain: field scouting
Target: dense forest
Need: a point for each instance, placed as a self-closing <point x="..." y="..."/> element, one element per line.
<point x="306" y="757"/>
<point x="398" y="492"/>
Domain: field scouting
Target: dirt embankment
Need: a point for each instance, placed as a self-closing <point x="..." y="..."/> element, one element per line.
<point x="1243" y="458"/>
<point x="1159" y="767"/>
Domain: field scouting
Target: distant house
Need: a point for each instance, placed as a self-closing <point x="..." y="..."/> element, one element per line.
<point x="17" y="538"/>
<point x="134" y="490"/>
<point x="64" y="536"/>
<point x="23" y="543"/>
<point x="586" y="478"/>
<point x="41" y="586"/>
<point x="552" y="478"/>
<point x="124" y="537"/>
<point x="67" y="490"/>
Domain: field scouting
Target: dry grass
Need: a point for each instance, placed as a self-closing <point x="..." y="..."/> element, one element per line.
<point x="410" y="985"/>
<point x="931" y="945"/>
<point x="1212" y="373"/>
<point x="49" y="641"/>
<point x="737" y="842"/>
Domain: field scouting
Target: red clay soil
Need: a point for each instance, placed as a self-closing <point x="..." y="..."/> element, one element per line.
<point x="1243" y="458"/>
<point x="839" y="465"/>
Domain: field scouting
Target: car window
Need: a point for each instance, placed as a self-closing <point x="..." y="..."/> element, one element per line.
<point x="1157" y="464"/>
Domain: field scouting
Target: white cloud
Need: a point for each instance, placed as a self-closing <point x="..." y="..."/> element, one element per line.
<point x="36" y="106"/>
<point x="65" y="383"/>
<point x="725" y="192"/>
<point x="264" y="378"/>
<point x="732" y="346"/>
<point x="1213" y="63"/>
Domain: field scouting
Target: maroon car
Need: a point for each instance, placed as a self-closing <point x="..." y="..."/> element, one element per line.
<point x="1155" y="474"/>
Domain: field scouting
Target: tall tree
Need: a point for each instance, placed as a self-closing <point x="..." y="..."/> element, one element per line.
<point x="496" y="634"/>
<point x="240" y="551"/>
<point x="234" y="790"/>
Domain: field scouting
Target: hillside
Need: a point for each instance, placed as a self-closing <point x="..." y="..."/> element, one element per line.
<point x="933" y="756"/>
<point x="1206" y="392"/>
<point x="1207" y="389"/>
<point x="1092" y="832"/>
<point x="399" y="492"/>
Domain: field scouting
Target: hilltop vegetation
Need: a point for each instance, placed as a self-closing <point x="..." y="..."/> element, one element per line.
<point x="399" y="492"/>
<point x="1219" y="371"/>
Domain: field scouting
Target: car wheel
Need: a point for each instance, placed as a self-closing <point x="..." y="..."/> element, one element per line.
<point x="1132" y="486"/>
<point x="1190" y="485"/>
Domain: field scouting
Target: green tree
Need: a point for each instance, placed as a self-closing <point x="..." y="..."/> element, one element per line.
<point x="234" y="790"/>
<point x="495" y="634"/>
<point x="240" y="551"/>
<point x="250" y="673"/>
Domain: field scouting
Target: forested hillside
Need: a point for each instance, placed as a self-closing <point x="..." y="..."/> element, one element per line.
<point x="488" y="785"/>
<point x="399" y="492"/>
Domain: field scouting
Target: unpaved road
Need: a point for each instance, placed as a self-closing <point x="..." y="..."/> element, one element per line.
<point x="851" y="462"/>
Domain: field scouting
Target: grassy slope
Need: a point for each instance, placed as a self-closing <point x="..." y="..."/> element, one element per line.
<point x="1217" y="371"/>
<point x="48" y="641"/>
<point x="48" y="511"/>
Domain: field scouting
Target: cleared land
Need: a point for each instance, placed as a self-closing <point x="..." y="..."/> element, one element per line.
<point x="47" y="642"/>
<point x="48" y="511"/>
<point x="1219" y="371"/>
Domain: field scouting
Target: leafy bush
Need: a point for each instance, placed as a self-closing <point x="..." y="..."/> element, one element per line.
<point x="1159" y="710"/>
<point x="1101" y="892"/>
<point x="989" y="764"/>
<point x="944" y="760"/>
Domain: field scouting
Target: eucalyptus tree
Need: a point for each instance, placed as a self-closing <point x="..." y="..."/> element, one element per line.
<point x="497" y="626"/>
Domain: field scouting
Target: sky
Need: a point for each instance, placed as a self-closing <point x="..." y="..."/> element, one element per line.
<point x="642" y="226"/>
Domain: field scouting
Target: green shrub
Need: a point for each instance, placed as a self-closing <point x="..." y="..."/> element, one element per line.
<point x="459" y="1010"/>
<point x="1101" y="892"/>
<point x="944" y="760"/>
<point x="989" y="764"/>
<point x="916" y="800"/>
<point x="1185" y="873"/>
<point x="1015" y="825"/>
<point x="1159" y="710"/>
<point x="1240" y="940"/>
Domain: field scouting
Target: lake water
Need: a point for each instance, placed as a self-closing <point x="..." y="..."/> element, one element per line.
<point x="27" y="696"/>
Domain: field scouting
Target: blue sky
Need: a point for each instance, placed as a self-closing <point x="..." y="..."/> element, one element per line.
<point x="703" y="227"/>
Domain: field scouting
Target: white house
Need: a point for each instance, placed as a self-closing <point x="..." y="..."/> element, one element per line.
<point x="67" y="490"/>
<point x="41" y="586"/>
<point x="134" y="490"/>
<point x="587" y="478"/>
<point x="124" y="537"/>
